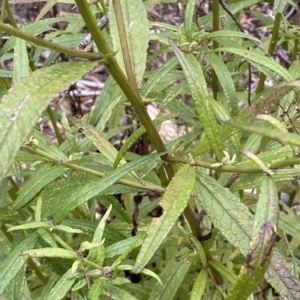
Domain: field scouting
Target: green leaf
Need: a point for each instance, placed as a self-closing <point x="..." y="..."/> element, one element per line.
<point x="260" y="60"/>
<point x="79" y="195"/>
<point x="41" y="178"/>
<point x="44" y="144"/>
<point x="102" y="144"/>
<point x="14" y="262"/>
<point x="171" y="277"/>
<point x="22" y="106"/>
<point x="137" y="33"/>
<point x="279" y="6"/>
<point x="271" y="98"/>
<point x="112" y="114"/>
<point x="229" y="34"/>
<point x="109" y="92"/>
<point x="120" y="247"/>
<point x="173" y="203"/>
<point x="128" y="249"/>
<point x="225" y="210"/>
<point x="269" y="156"/>
<point x="51" y="252"/>
<point x="67" y="229"/>
<point x="96" y="290"/>
<point x="38" y="209"/>
<point x="189" y="19"/>
<point x="47" y="237"/>
<point x="21" y="62"/>
<point x="290" y="224"/>
<point x="30" y="225"/>
<point x="235" y="222"/>
<point x="225" y="272"/>
<point x="97" y="255"/>
<point x="292" y="139"/>
<point x="281" y="277"/>
<point x="158" y="75"/>
<point x="6" y="73"/>
<point x="114" y="292"/>
<point x="97" y="238"/>
<point x="198" y="88"/>
<point x="117" y="209"/>
<point x="62" y="286"/>
<point x="262" y="242"/>
<point x="199" y="285"/>
<point x="16" y="286"/>
<point x="136" y="135"/>
<point x="226" y="82"/>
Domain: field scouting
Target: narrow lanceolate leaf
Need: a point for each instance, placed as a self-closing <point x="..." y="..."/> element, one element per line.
<point x="290" y="224"/>
<point x="16" y="286"/>
<point x="14" y="262"/>
<point x="71" y="198"/>
<point x="97" y="255"/>
<point x="198" y="89"/>
<point x="127" y="250"/>
<point x="102" y="144"/>
<point x="95" y="291"/>
<point x="171" y="278"/>
<point x="224" y="271"/>
<point x="189" y="19"/>
<point x="173" y="203"/>
<point x="292" y="139"/>
<point x="225" y="210"/>
<point x="21" y="107"/>
<point x="158" y="75"/>
<point x="51" y="252"/>
<point x="199" y="285"/>
<point x="114" y="292"/>
<point x="123" y="246"/>
<point x="30" y="225"/>
<point x="267" y="102"/>
<point x="137" y="33"/>
<point x="62" y="286"/>
<point x="21" y="62"/>
<point x="260" y="60"/>
<point x="281" y="277"/>
<point x="226" y="82"/>
<point x="262" y="243"/>
<point x="35" y="184"/>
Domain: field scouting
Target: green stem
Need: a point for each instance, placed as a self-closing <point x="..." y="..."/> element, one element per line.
<point x="10" y="15"/>
<point x="216" y="27"/>
<point x="234" y="169"/>
<point x="54" y="124"/>
<point x="124" y="44"/>
<point x="47" y="44"/>
<point x="132" y="96"/>
<point x="296" y="45"/>
<point x="88" y="262"/>
<point x="72" y="166"/>
<point x="61" y="242"/>
<point x="272" y="45"/>
<point x="119" y="76"/>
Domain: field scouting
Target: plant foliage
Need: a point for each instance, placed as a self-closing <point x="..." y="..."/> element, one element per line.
<point x="207" y="214"/>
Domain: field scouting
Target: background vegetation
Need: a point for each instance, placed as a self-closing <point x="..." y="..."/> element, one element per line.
<point x="110" y="208"/>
